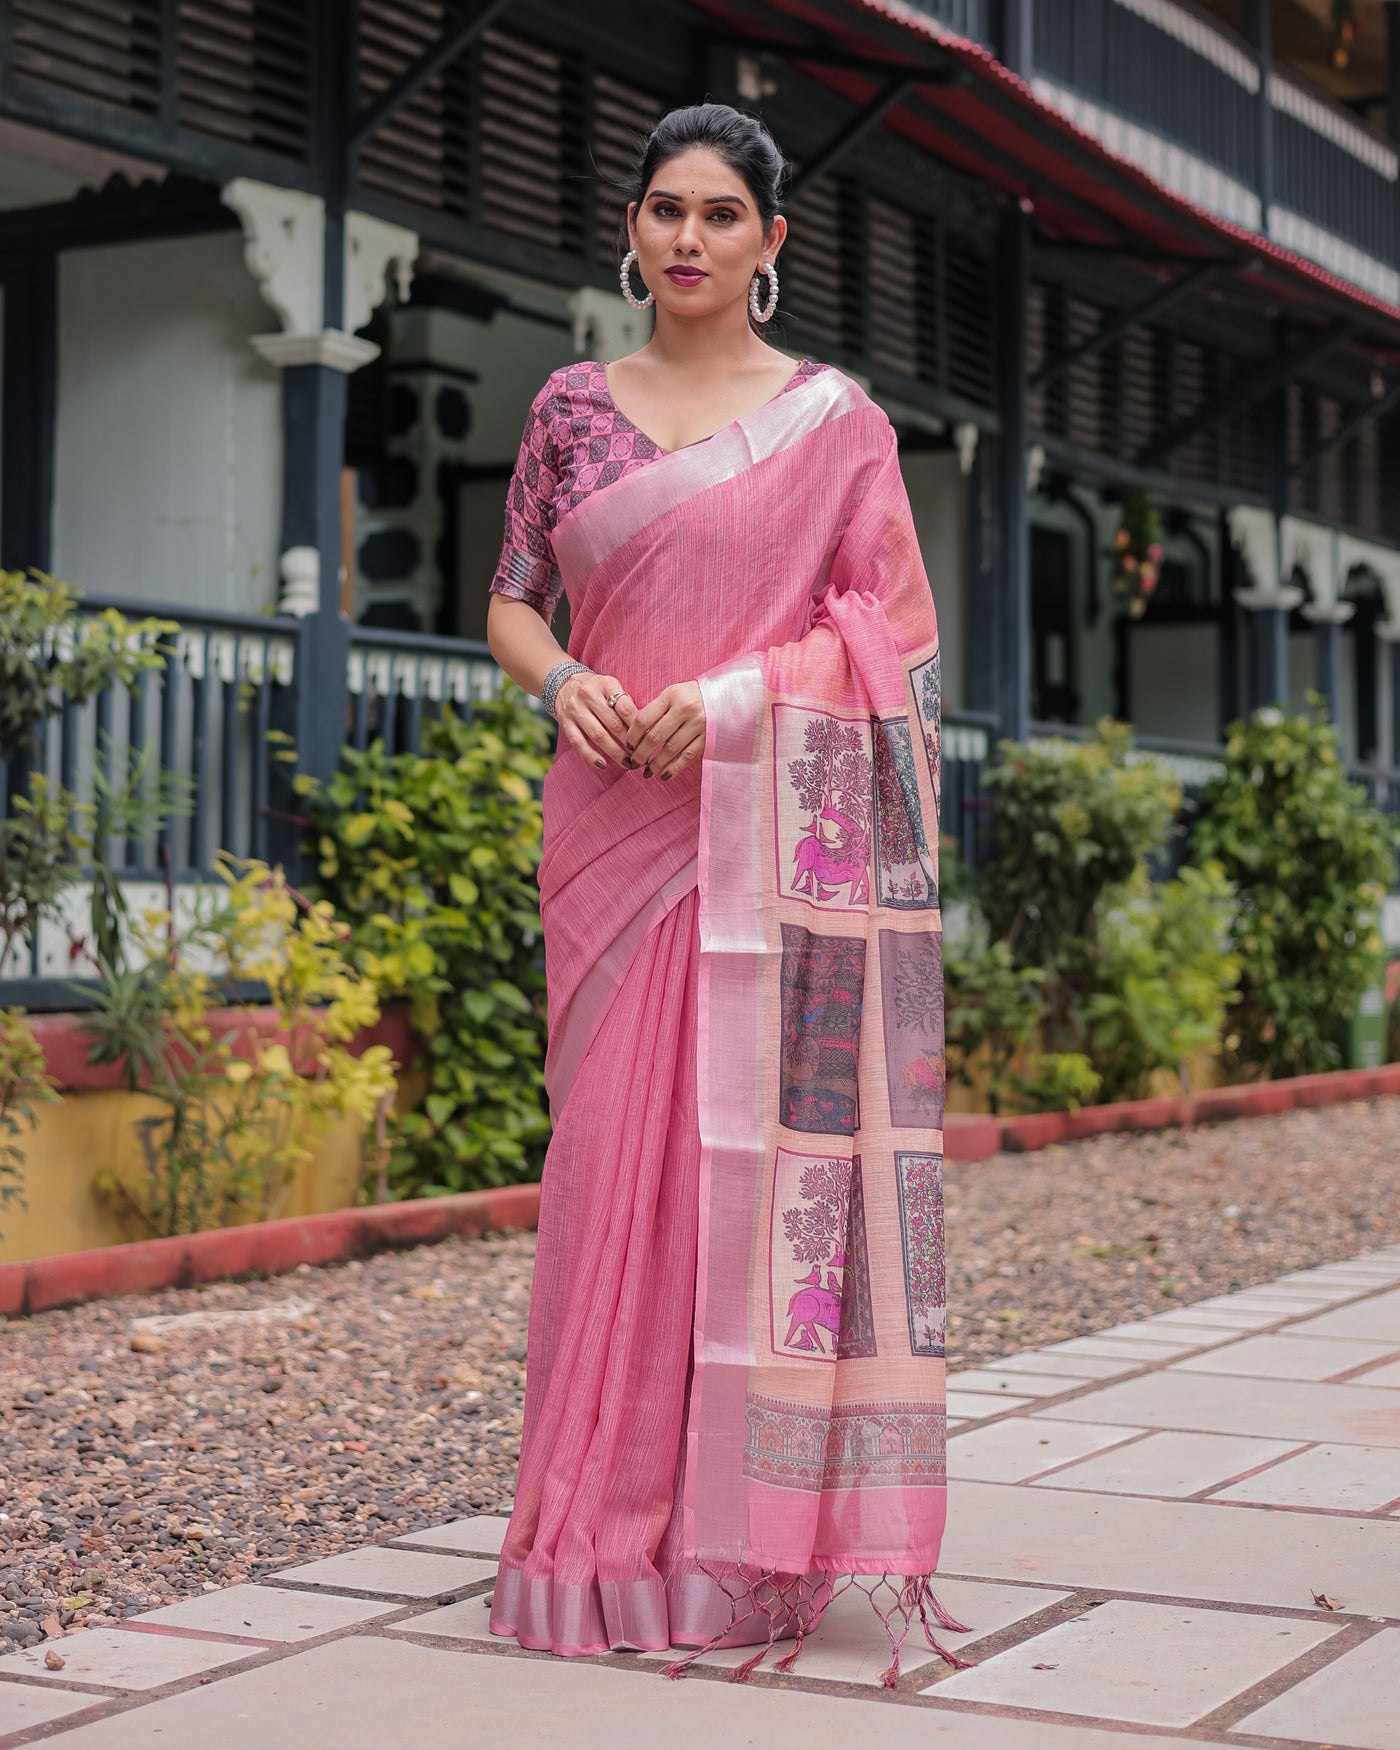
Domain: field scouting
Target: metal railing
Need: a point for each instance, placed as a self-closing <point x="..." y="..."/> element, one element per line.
<point x="396" y="681"/>
<point x="1177" y="71"/>
<point x="207" y="717"/>
<point x="969" y="18"/>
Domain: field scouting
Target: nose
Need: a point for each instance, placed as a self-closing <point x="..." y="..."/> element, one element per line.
<point x="688" y="241"/>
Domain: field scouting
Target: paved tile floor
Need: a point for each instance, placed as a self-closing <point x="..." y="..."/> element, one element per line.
<point x="1184" y="1531"/>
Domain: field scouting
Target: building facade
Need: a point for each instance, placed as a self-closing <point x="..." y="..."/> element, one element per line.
<point x="279" y="279"/>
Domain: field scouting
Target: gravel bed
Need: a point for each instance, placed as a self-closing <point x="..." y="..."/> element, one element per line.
<point x="351" y="1404"/>
<point x="1072" y="1239"/>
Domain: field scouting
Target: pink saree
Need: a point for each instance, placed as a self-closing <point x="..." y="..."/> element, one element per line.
<point x="735" y="1400"/>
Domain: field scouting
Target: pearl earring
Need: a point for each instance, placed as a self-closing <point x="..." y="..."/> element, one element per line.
<point x="625" y="277"/>
<point x="764" y="312"/>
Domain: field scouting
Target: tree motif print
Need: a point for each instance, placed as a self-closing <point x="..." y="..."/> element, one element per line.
<point x="829" y="1314"/>
<point x="816" y="1227"/>
<point x="911" y="991"/>
<point x="918" y="987"/>
<point x="925" y="1269"/>
<point x="929" y="692"/>
<point x="906" y="877"/>
<point x="832" y="782"/>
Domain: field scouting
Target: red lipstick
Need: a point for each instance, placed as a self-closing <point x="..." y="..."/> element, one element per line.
<point x="686" y="276"/>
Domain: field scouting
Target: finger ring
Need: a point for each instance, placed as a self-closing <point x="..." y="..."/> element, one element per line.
<point x="614" y="697"/>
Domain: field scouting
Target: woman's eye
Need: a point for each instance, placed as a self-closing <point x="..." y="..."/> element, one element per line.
<point x="723" y="213"/>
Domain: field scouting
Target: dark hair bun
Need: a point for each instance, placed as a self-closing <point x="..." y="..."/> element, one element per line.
<point x="740" y="140"/>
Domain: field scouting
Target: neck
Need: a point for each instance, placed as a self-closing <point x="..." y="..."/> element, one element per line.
<point x="705" y="343"/>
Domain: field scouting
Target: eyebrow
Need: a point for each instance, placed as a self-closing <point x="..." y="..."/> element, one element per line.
<point x="710" y="201"/>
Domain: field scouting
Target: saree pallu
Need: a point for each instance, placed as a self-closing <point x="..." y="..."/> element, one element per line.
<point x="735" y="1398"/>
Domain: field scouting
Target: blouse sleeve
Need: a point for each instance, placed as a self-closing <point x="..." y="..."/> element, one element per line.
<point x="526" y="570"/>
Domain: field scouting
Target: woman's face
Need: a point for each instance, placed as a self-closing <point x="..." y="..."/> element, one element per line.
<point x="698" y="235"/>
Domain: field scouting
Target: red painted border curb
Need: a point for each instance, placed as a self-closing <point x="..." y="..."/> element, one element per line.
<point x="270" y="1248"/>
<point x="66" y="1044"/>
<point x="265" y="1248"/>
<point x="975" y="1137"/>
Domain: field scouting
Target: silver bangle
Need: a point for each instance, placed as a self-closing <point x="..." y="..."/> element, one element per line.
<point x="555" y="679"/>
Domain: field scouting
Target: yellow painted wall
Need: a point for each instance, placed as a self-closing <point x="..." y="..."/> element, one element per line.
<point x="83" y="1134"/>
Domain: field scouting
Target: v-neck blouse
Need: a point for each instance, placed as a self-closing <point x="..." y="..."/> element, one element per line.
<point x="577" y="440"/>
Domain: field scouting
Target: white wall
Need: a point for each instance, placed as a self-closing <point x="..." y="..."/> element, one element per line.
<point x="1174" y="680"/>
<point x="168" y="461"/>
<point x="938" y="499"/>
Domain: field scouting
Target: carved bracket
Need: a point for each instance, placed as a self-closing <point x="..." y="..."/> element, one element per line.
<point x="284" y="248"/>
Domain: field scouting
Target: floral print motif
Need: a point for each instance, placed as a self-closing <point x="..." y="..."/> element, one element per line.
<point x="920" y="1180"/>
<point x="903" y="870"/>
<point x="911" y="996"/>
<point x="856" y="1446"/>
<point x="823" y="992"/>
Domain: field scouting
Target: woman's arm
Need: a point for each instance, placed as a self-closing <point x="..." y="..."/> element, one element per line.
<point x="526" y="649"/>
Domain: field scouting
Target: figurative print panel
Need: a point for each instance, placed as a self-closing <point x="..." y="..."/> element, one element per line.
<point x="927" y="681"/>
<point x="920" y="1178"/>
<point x="819" y="1265"/>
<point x="911" y="1000"/>
<point x="903" y="870"/>
<point x="823" y="809"/>
<point x="823" y="990"/>
<point x="859" y="1446"/>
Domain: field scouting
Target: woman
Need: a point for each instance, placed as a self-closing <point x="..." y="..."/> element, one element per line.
<point x="736" y="1386"/>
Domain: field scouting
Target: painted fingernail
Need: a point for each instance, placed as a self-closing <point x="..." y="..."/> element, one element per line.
<point x="665" y="777"/>
<point x="646" y="771"/>
<point x="630" y="763"/>
<point x="601" y="762"/>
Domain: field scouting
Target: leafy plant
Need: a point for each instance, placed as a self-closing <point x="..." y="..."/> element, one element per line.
<point x="24" y="1084"/>
<point x="1165" y="982"/>
<point x="51" y="656"/>
<point x="433" y="859"/>
<point x="1092" y="979"/>
<point x="1312" y="861"/>
<point x="1071" y="823"/>
<point x="237" y="1111"/>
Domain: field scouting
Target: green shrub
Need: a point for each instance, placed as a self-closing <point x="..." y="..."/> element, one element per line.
<point x="1092" y="979"/>
<point x="432" y="858"/>
<point x="1311" y="860"/>
<point x="1164" y="984"/>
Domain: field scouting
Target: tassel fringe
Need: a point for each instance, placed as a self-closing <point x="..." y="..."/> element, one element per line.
<point x="765" y="1594"/>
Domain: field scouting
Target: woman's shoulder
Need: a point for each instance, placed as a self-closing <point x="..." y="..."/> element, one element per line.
<point x="563" y="390"/>
<point x="847" y="393"/>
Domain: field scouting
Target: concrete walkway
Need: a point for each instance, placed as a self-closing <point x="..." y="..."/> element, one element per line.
<point x="1185" y="1530"/>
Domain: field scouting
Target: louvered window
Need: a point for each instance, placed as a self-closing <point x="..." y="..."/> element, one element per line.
<point x="244" y="69"/>
<point x="813" y="270"/>
<point x="421" y="153"/>
<point x="105" y="50"/>
<point x="1118" y="400"/>
<point x="969" y="299"/>
<point x="623" y="116"/>
<point x="532" y="150"/>
<point x="892" y="257"/>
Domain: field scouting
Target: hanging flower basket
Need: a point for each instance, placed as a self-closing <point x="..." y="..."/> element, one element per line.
<point x="1137" y="553"/>
<point x="1344" y="26"/>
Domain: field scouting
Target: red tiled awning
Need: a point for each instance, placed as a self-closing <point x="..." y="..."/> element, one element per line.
<point x="992" y="126"/>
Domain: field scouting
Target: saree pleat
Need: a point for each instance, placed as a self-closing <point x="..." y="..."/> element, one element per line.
<point x="610" y="1335"/>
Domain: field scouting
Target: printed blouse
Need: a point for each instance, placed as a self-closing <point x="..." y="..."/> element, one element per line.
<point x="576" y="440"/>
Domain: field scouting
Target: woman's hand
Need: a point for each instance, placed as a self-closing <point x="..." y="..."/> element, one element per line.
<point x="591" y="726"/>
<point x="668" y="735"/>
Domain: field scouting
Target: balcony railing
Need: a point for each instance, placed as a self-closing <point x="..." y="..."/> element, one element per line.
<point x="1329" y="184"/>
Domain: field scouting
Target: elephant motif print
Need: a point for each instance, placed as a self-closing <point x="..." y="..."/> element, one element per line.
<point x="818" y="1257"/>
